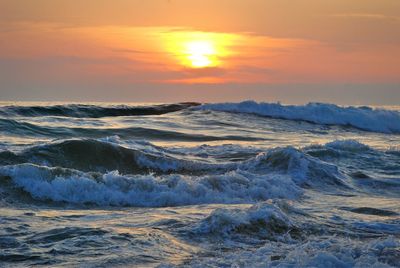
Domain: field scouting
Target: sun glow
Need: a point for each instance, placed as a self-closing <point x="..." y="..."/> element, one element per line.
<point x="201" y="54"/>
<point x="199" y="49"/>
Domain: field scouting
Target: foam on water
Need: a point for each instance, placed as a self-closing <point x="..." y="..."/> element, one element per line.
<point x="289" y="238"/>
<point x="72" y="186"/>
<point x="129" y="185"/>
<point x="329" y="252"/>
<point x="366" y="118"/>
<point x="276" y="173"/>
<point x="303" y="169"/>
<point x="261" y="220"/>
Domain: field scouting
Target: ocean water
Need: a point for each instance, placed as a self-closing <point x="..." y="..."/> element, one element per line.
<point x="199" y="185"/>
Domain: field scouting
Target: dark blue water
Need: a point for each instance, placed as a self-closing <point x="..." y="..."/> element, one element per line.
<point x="216" y="185"/>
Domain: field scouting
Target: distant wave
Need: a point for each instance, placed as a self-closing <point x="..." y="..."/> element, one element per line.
<point x="93" y="111"/>
<point x="16" y="127"/>
<point x="365" y="118"/>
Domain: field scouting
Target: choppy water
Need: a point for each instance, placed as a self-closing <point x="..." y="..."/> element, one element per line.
<point x="216" y="185"/>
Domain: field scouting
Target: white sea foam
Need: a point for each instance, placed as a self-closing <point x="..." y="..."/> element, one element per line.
<point x="276" y="221"/>
<point x="303" y="169"/>
<point x="366" y="118"/>
<point x="345" y="192"/>
<point x="148" y="190"/>
<point x="264" y="218"/>
<point x="315" y="252"/>
<point x="277" y="173"/>
<point x="287" y="160"/>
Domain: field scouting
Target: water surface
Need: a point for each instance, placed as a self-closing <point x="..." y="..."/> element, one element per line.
<point x="190" y="185"/>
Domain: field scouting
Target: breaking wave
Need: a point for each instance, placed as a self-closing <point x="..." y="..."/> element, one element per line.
<point x="102" y="173"/>
<point x="241" y="190"/>
<point x="101" y="156"/>
<point x="72" y="186"/>
<point x="263" y="220"/>
<point x="314" y="252"/>
<point x="365" y="118"/>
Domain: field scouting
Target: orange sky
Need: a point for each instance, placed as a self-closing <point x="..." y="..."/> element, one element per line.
<point x="156" y="50"/>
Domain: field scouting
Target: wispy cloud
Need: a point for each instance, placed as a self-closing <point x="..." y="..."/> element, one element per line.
<point x="371" y="16"/>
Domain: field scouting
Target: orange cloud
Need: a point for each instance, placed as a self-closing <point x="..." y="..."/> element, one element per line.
<point x="182" y="55"/>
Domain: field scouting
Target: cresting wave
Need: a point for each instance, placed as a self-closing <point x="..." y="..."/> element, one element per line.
<point x="365" y="118"/>
<point x="109" y="174"/>
<point x="329" y="251"/>
<point x="114" y="189"/>
<point x="240" y="190"/>
<point x="93" y="111"/>
<point x="264" y="220"/>
<point x="143" y="157"/>
<point x="102" y="156"/>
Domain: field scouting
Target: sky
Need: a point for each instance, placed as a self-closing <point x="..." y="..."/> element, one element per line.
<point x="293" y="51"/>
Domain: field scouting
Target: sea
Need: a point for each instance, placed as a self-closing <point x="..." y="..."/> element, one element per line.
<point x="249" y="184"/>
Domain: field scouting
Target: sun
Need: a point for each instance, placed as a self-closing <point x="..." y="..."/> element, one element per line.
<point x="198" y="50"/>
<point x="200" y="53"/>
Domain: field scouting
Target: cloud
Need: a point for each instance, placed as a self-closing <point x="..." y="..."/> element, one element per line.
<point x="370" y="16"/>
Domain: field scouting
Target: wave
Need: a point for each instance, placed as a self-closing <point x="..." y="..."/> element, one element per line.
<point x="338" y="149"/>
<point x="263" y="220"/>
<point x="305" y="170"/>
<point x="101" y="156"/>
<point x="112" y="189"/>
<point x="348" y="145"/>
<point x="63" y="233"/>
<point x="93" y="111"/>
<point x="365" y="118"/>
<point x="14" y="127"/>
<point x="81" y="174"/>
<point x="316" y="251"/>
<point x="106" y="173"/>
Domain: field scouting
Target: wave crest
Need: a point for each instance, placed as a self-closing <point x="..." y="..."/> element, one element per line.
<point x="107" y="173"/>
<point x="365" y="118"/>
<point x="262" y="220"/>
<point x="101" y="156"/>
<point x="66" y="185"/>
<point x="304" y="169"/>
<point x="94" y="111"/>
